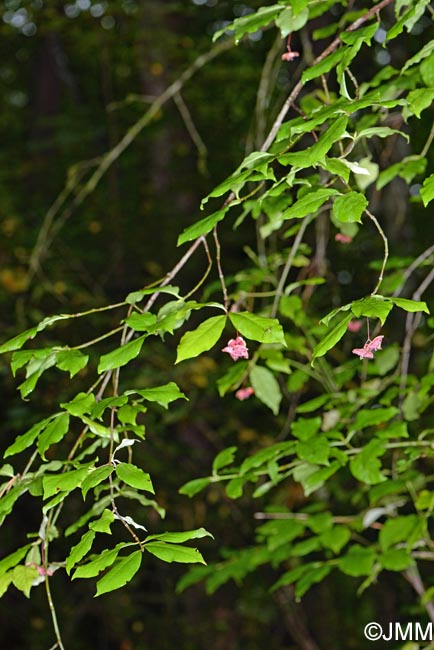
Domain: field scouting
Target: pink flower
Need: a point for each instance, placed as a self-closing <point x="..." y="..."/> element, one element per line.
<point x="244" y="393"/>
<point x="375" y="344"/>
<point x="363" y="353"/>
<point x="237" y="349"/>
<point x="367" y="352"/>
<point x="354" y="325"/>
<point x="289" y="56"/>
<point x="343" y="239"/>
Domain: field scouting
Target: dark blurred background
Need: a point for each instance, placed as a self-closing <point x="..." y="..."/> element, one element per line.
<point x="74" y="77"/>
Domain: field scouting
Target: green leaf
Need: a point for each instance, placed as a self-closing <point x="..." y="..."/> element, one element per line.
<point x="201" y="339"/>
<point x="335" y="538"/>
<point x="121" y="356"/>
<point x="258" y="328"/>
<point x="380" y="132"/>
<point x="174" y="552"/>
<point x="179" y="538"/>
<point x="95" y="477"/>
<point x="359" y="561"/>
<point x="95" y="427"/>
<point x="98" y="563"/>
<point x="12" y="560"/>
<point x="202" y="227"/>
<point x="251" y="23"/>
<point x="417" y="58"/>
<point x="26" y="439"/>
<point x="102" y="525"/>
<point x="78" y="551"/>
<point x="324" y="66"/>
<point x="81" y="404"/>
<point x="54" y="432"/>
<point x="368" y="417"/>
<point x="71" y="361"/>
<point x="309" y="203"/>
<point x="267" y="388"/>
<point x="417" y="101"/>
<point x="5" y="581"/>
<point x="410" y="305"/>
<point x="23" y="578"/>
<point x="122" y="572"/>
<point x="408" y="528"/>
<point x="330" y="339"/>
<point x="427" y="191"/>
<point x="291" y="20"/>
<point x="65" y="482"/>
<point x="194" y="487"/>
<point x="224" y="458"/>
<point x="349" y="207"/>
<point x="311" y="156"/>
<point x="311" y="577"/>
<point x="314" y="450"/>
<point x="372" y="307"/>
<point x="365" y="466"/>
<point x="135" y="477"/>
<point x="397" y="559"/>
<point x="232" y="377"/>
<point x="141" y="322"/>
<point x="18" y="341"/>
<point x="137" y="296"/>
<point x="163" y="395"/>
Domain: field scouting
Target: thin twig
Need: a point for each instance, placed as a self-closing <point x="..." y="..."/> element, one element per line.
<point x="53" y="614"/>
<point x="290" y="259"/>
<point x="194" y="134"/>
<point x="413" y="266"/>
<point x="412" y="575"/>
<point x="219" y="267"/>
<point x="386" y="250"/>
<point x="411" y="323"/>
<point x="171" y="274"/>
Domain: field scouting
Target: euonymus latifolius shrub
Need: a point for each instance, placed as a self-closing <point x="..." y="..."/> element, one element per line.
<point x="351" y="423"/>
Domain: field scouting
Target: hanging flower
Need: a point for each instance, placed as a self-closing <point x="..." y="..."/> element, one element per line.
<point x="343" y="239"/>
<point x="354" y="325"/>
<point x="244" y="393"/>
<point x="237" y="349"/>
<point x="367" y="352"/>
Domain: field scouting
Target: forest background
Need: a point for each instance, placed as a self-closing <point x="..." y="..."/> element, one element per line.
<point x="76" y="80"/>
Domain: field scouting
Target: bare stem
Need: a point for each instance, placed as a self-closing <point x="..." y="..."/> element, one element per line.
<point x="290" y="259"/>
<point x="219" y="267"/>
<point x="386" y="250"/>
<point x="53" y="614"/>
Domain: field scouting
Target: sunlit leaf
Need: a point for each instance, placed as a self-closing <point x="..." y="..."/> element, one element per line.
<point x="201" y="339"/>
<point x="122" y="572"/>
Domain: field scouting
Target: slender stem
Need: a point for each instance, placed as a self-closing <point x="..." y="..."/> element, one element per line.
<point x="53" y="614"/>
<point x="171" y="274"/>
<point x="219" y="267"/>
<point x="207" y="271"/>
<point x="386" y="250"/>
<point x="413" y="266"/>
<point x="412" y="575"/>
<point x="98" y="339"/>
<point x="287" y="267"/>
<point x="427" y="143"/>
<point x="194" y="134"/>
